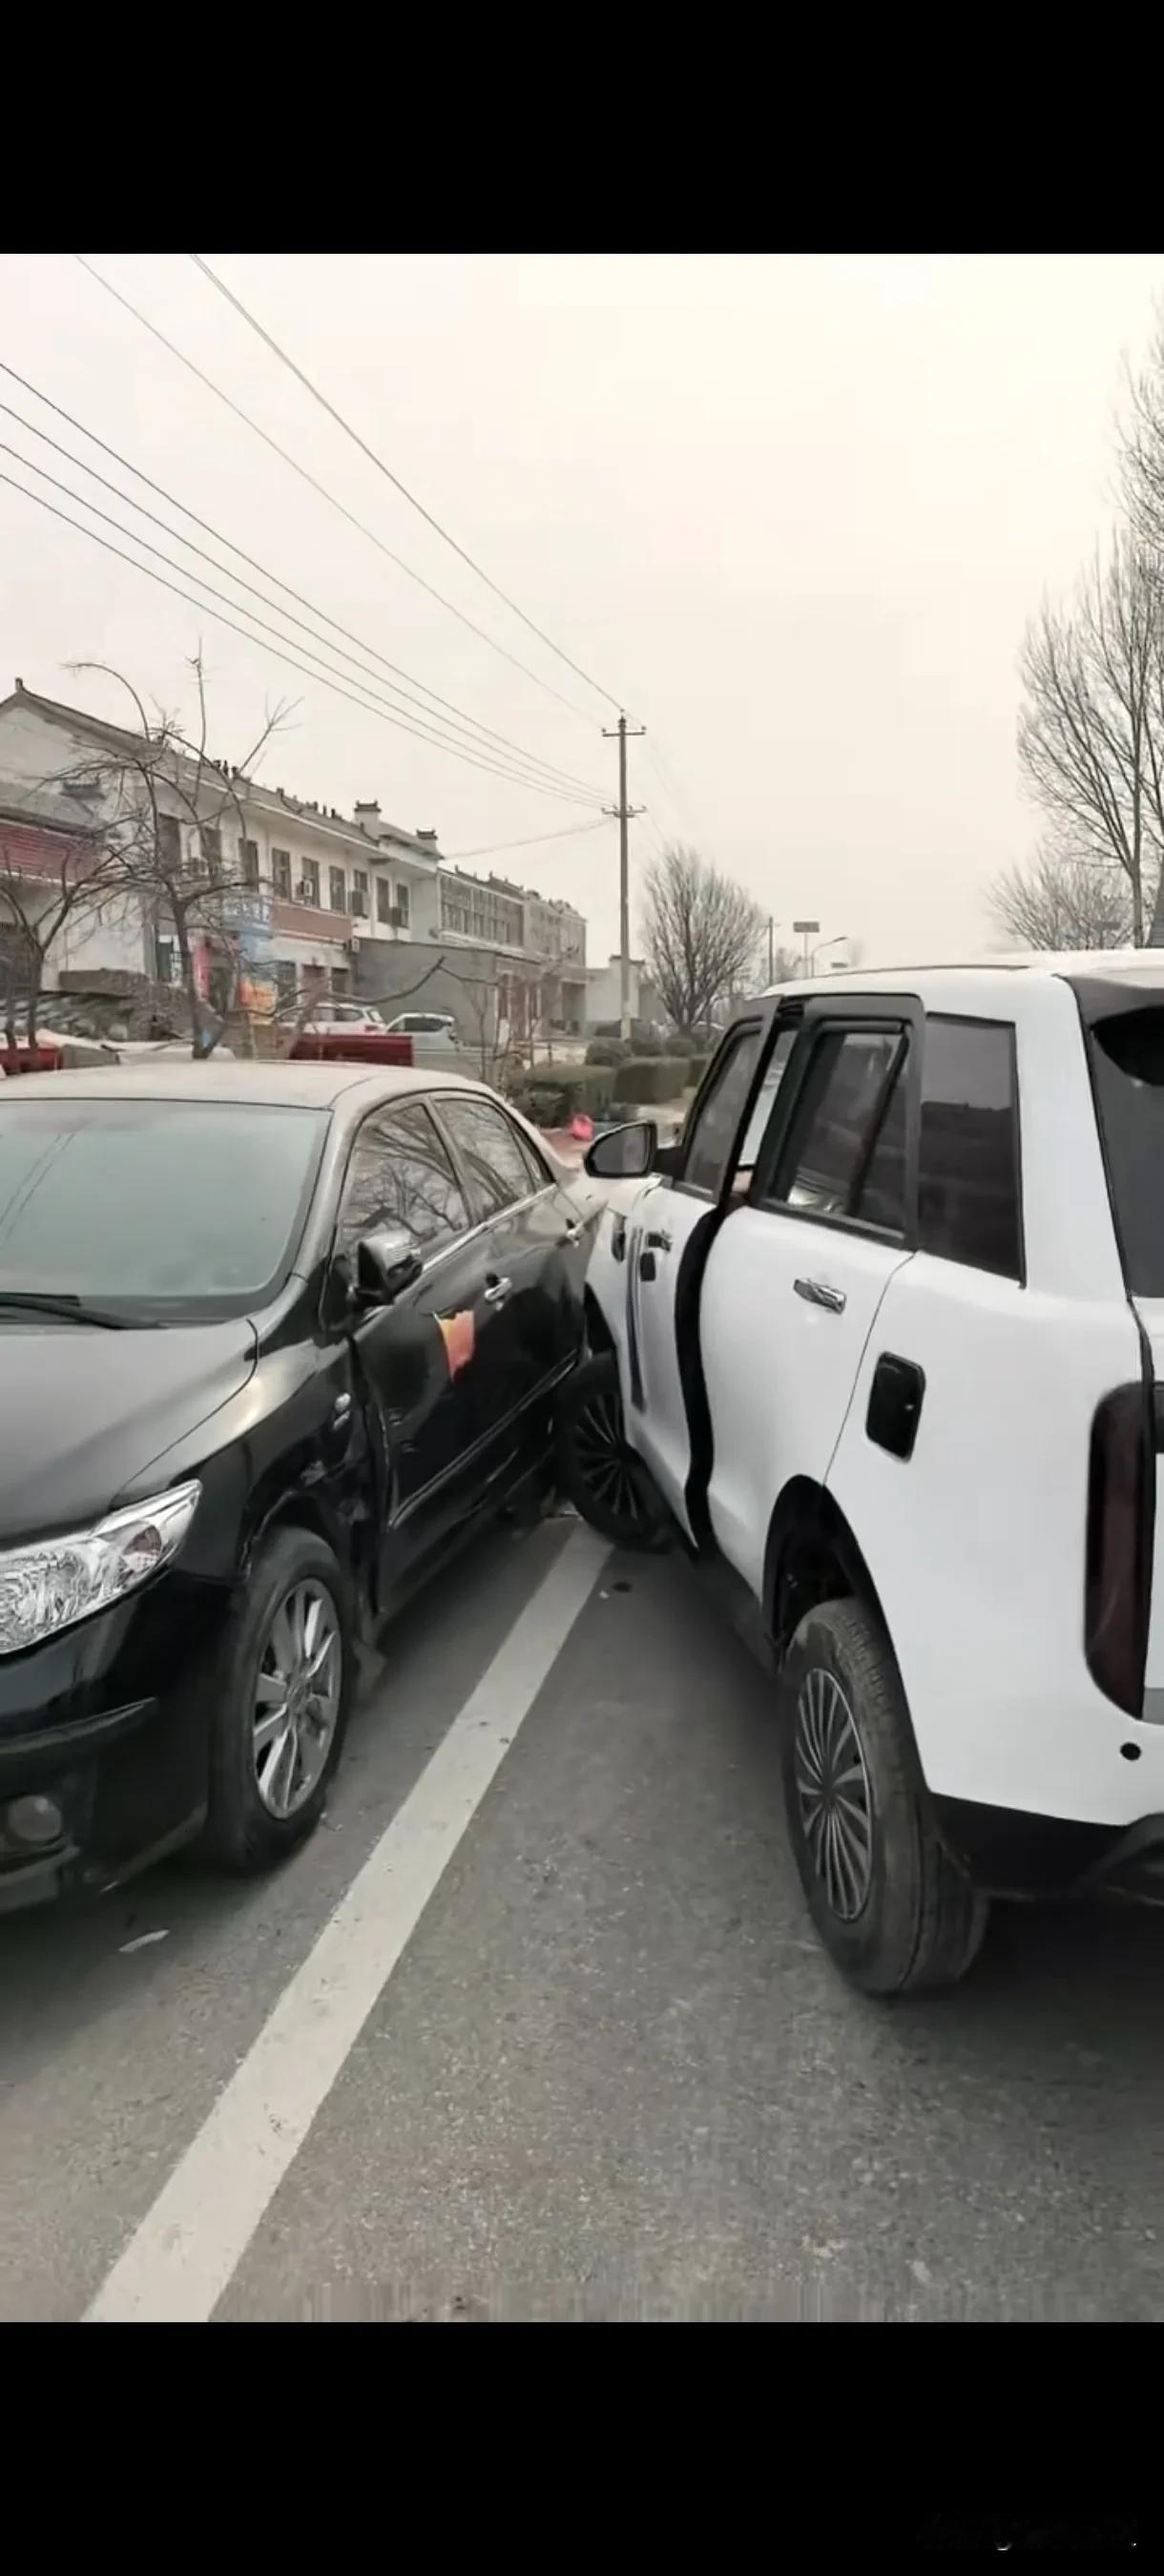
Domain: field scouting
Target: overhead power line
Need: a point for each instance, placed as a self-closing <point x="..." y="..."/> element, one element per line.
<point x="280" y="652"/>
<point x="533" y="841"/>
<point x="381" y="468"/>
<point x="424" y="732"/>
<point x="321" y="488"/>
<point x="459" y="725"/>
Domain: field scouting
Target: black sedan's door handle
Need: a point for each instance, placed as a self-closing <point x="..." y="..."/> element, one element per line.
<point x="818" y="1293"/>
<point x="496" y="1291"/>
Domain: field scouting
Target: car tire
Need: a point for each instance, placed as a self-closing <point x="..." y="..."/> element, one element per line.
<point x="597" y="1470"/>
<point x="293" y="1601"/>
<point x="892" y="1908"/>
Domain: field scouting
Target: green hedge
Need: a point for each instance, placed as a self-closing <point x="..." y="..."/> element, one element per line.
<point x="552" y="1099"/>
<point x="652" y="1077"/>
<point x="606" y="1051"/>
<point x="696" y="1068"/>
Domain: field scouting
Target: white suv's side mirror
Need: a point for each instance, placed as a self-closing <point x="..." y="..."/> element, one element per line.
<point x="624" y="1153"/>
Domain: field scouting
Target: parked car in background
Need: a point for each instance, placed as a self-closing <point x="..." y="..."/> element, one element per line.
<point x="884" y="1348"/>
<point x="436" y="1028"/>
<point x="273" y="1338"/>
<point x="355" y="1019"/>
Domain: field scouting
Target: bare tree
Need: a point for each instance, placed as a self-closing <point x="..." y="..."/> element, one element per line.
<point x="491" y="1036"/>
<point x="36" y="910"/>
<point x="700" y="935"/>
<point x="1057" y="900"/>
<point x="1091" y="734"/>
<point x="1142" y="451"/>
<point x="172" y="810"/>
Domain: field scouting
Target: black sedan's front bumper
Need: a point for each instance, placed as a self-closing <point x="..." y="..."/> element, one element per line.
<point x="104" y="1741"/>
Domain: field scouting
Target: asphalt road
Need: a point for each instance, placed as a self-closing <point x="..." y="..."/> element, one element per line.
<point x="537" y="2027"/>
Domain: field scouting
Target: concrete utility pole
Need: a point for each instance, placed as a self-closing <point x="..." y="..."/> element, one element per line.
<point x="623" y="814"/>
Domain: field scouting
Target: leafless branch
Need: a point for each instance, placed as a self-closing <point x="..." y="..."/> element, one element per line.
<point x="1091" y="733"/>
<point x="700" y="935"/>
<point x="1058" y="900"/>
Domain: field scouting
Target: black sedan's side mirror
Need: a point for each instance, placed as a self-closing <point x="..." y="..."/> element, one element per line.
<point x="624" y="1153"/>
<point x="387" y="1262"/>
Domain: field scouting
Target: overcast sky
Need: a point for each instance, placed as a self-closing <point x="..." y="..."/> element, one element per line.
<point x="792" y="510"/>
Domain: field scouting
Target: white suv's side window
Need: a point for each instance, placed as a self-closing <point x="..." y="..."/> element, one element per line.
<point x="711" y="1138"/>
<point x="766" y="1100"/>
<point x="836" y="1120"/>
<point x="969" y="1207"/>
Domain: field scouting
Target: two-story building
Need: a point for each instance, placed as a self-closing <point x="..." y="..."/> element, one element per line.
<point x="310" y="898"/>
<point x="539" y="942"/>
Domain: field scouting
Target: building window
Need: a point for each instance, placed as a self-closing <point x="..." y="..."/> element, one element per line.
<point x="360" y="894"/>
<point x="339" y="890"/>
<point x="341" y="980"/>
<point x="248" y="852"/>
<point x="402" y="905"/>
<point x="285" y="976"/>
<point x="383" y="899"/>
<point x="281" y="872"/>
<point x="169" y="841"/>
<point x="212" y="850"/>
<point x="308" y="888"/>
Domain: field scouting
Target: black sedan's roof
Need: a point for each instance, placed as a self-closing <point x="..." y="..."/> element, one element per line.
<point x="274" y="1085"/>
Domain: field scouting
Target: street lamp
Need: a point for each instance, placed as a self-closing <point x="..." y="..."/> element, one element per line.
<point x="821" y="946"/>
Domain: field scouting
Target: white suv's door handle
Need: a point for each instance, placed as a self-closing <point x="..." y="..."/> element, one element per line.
<point x="818" y="1293"/>
<point x="497" y="1291"/>
<point x="659" y="1240"/>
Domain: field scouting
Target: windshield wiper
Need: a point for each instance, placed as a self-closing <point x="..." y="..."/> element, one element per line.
<point x="67" y="1306"/>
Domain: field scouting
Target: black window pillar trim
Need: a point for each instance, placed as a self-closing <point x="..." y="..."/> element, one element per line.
<point x="765" y="1017"/>
<point x="861" y="1013"/>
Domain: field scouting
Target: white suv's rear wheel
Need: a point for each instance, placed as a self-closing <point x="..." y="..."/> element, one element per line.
<point x="892" y="1908"/>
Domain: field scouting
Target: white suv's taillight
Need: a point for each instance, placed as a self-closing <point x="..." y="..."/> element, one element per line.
<point x="1121" y="1513"/>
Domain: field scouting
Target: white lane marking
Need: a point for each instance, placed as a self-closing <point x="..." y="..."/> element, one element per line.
<point x="179" y="2262"/>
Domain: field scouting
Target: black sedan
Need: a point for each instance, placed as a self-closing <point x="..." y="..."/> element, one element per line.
<point x="272" y="1338"/>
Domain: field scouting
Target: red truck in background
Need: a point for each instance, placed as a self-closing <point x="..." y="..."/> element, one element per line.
<point x="343" y="1032"/>
<point x="350" y="1046"/>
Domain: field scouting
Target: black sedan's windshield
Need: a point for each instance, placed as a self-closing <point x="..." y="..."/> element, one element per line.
<point x="164" y="1203"/>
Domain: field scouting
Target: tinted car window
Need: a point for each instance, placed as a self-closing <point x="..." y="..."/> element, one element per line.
<point x="166" y="1201"/>
<point x="968" y="1175"/>
<point x="834" y="1122"/>
<point x="766" y="1099"/>
<point x="500" y="1169"/>
<point x="880" y="1195"/>
<point x="400" y="1174"/>
<point x="711" y="1138"/>
<point x="1127" y="1058"/>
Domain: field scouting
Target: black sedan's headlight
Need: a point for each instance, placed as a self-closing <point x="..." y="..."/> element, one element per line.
<point x="56" y="1581"/>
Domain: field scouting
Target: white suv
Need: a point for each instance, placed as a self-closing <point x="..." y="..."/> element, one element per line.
<point x="882" y="1340"/>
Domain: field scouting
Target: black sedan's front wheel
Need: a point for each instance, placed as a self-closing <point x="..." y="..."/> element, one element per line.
<point x="597" y="1469"/>
<point x="279" y="1726"/>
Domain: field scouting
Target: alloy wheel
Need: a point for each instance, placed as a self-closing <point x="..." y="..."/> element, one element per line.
<point x="604" y="1461"/>
<point x="297" y="1697"/>
<point x="833" y="1793"/>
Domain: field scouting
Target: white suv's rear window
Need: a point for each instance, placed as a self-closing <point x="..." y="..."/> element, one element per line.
<point x="1127" y="1058"/>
